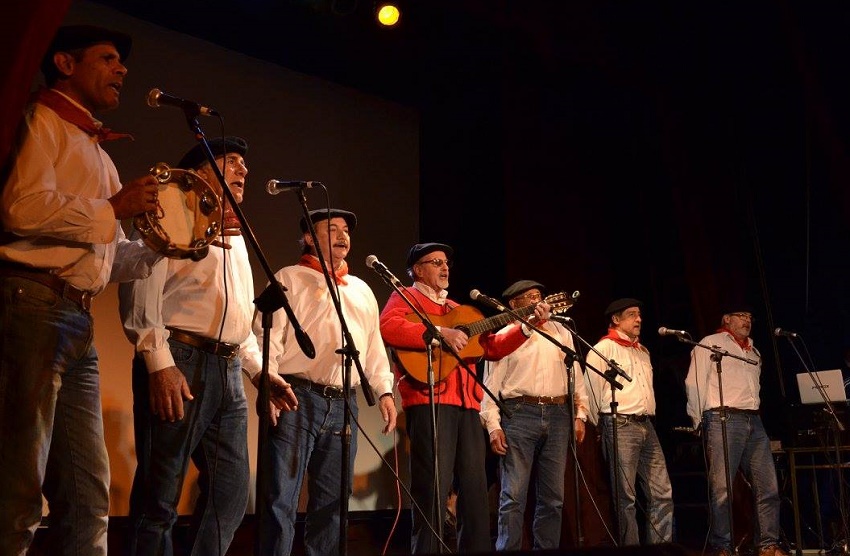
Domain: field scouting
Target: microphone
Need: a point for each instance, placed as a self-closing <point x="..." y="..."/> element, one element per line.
<point x="382" y="270"/>
<point x="478" y="296"/>
<point x="157" y="98"/>
<point x="277" y="186"/>
<point x="664" y="331"/>
<point x="562" y="319"/>
<point x="786" y="333"/>
<point x="574" y="297"/>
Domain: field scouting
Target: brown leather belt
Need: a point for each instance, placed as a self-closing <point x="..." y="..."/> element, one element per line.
<point x="222" y="349"/>
<point x="327" y="391"/>
<point x="62" y="288"/>
<point x="735" y="410"/>
<point x="540" y="400"/>
<point x="642" y="418"/>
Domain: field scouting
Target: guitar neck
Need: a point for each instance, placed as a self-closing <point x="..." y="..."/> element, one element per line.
<point x="497" y="321"/>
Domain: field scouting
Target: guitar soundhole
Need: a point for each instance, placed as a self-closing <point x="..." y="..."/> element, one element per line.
<point x="463" y="329"/>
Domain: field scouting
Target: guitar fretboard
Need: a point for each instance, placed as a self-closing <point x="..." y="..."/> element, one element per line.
<point x="481" y="326"/>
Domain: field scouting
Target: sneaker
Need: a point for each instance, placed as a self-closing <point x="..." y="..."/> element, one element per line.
<point x="773" y="550"/>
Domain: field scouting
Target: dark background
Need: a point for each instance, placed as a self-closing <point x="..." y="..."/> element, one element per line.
<point x="687" y="154"/>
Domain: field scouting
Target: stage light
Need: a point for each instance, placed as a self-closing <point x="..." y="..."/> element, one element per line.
<point x="388" y="14"/>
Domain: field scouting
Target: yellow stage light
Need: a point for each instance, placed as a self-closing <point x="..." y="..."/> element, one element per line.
<point x="388" y="14"/>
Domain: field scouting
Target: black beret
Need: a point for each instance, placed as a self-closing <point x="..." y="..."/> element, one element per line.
<point x="421" y="249"/>
<point x="195" y="156"/>
<point x="739" y="307"/>
<point x="521" y="286"/>
<point x="72" y="37"/>
<point x="326" y="214"/>
<point x="621" y="305"/>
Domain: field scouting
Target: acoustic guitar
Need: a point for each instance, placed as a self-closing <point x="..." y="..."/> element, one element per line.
<point x="472" y="322"/>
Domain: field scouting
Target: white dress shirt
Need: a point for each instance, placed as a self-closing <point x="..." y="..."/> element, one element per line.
<point x="312" y="305"/>
<point x="535" y="368"/>
<point x="212" y="298"/>
<point x="55" y="202"/>
<point x="637" y="397"/>
<point x="740" y="379"/>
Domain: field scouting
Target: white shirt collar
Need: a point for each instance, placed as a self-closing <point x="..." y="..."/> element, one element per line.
<point x="432" y="294"/>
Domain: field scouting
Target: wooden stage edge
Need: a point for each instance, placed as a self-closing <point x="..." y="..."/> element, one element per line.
<point x="367" y="533"/>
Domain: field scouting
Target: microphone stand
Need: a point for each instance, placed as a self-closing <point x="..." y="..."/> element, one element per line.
<point x="610" y="375"/>
<point x="838" y="429"/>
<point x="571" y="377"/>
<point x="349" y="351"/>
<point x="717" y="355"/>
<point x="430" y="336"/>
<point x="272" y="299"/>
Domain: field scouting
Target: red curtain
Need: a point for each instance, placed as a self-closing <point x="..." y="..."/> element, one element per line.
<point x="25" y="33"/>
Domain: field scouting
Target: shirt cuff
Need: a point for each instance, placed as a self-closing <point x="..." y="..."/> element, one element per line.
<point x="158" y="359"/>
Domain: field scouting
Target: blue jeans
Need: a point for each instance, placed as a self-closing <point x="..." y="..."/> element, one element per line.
<point x="535" y="434"/>
<point x="749" y="449"/>
<point x="214" y="433"/>
<point x="51" y="424"/>
<point x="461" y="446"/>
<point x="641" y="458"/>
<point x="307" y="440"/>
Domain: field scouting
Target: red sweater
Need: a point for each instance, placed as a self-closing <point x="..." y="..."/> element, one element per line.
<point x="459" y="388"/>
<point x="497" y="346"/>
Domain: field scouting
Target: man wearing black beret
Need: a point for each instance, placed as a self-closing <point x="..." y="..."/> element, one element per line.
<point x="530" y="376"/>
<point x="190" y="323"/>
<point x="747" y="442"/>
<point x="639" y="451"/>
<point x="457" y="397"/>
<point x="307" y="444"/>
<point x="61" y="209"/>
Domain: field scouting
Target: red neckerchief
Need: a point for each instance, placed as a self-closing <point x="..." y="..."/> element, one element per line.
<point x="615" y="337"/>
<point x="312" y="262"/>
<point x="745" y="344"/>
<point x="72" y="113"/>
<point x="232" y="226"/>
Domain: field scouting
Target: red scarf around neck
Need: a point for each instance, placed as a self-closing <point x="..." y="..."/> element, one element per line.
<point x="232" y="226"/>
<point x="73" y="114"/>
<point x="312" y="262"/>
<point x="745" y="344"/>
<point x="615" y="337"/>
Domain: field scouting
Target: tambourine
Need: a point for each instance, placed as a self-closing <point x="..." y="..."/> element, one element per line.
<point x="187" y="218"/>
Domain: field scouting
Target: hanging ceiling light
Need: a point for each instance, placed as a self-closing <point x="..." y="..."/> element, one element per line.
<point x="387" y="14"/>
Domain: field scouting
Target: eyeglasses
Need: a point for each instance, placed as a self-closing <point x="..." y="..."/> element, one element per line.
<point x="530" y="296"/>
<point x="437" y="262"/>
<point x="745" y="316"/>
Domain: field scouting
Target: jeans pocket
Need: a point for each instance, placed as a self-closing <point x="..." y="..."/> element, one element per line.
<point x="34" y="296"/>
<point x="181" y="354"/>
<point x="513" y="406"/>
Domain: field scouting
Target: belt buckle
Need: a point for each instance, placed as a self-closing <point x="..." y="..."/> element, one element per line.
<point x="229" y="351"/>
<point x="329" y="391"/>
<point x="85" y="300"/>
<point x="77" y="295"/>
